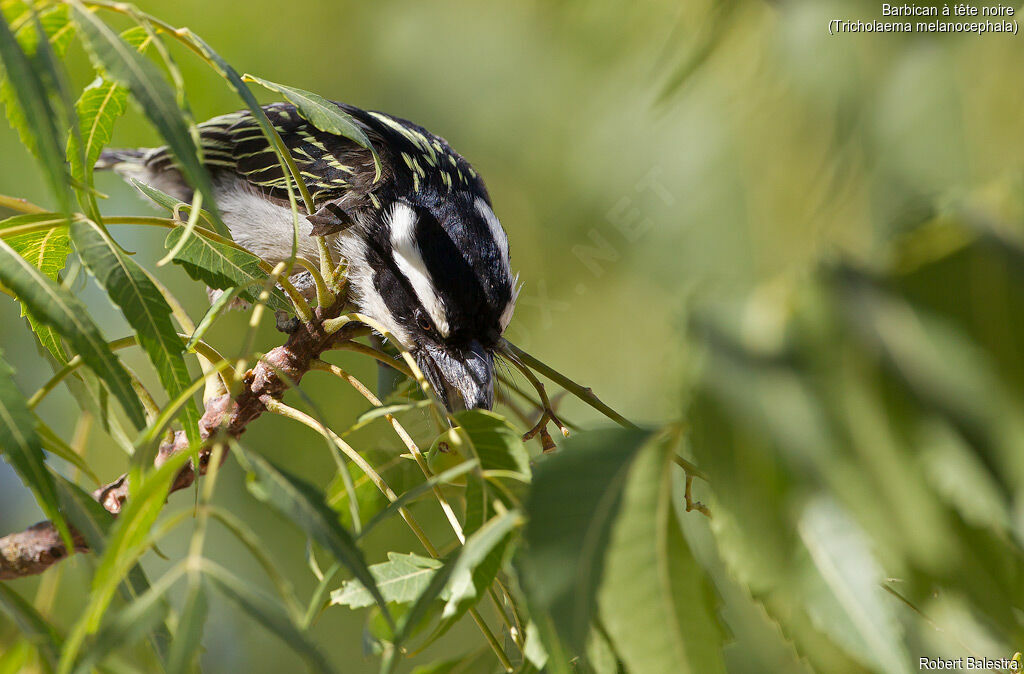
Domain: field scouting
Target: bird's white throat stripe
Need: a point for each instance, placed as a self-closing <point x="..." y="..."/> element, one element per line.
<point x="410" y="262"/>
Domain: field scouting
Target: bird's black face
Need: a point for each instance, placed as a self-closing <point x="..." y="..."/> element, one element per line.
<point x="443" y="287"/>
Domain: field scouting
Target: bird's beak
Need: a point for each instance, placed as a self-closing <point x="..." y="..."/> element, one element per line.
<point x="463" y="379"/>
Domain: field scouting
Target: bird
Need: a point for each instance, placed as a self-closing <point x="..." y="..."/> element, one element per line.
<point x="427" y="257"/>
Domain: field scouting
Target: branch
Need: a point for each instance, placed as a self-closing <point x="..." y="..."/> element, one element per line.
<point x="39" y="547"/>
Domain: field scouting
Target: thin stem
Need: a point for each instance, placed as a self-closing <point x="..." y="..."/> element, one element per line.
<point x="20" y="205"/>
<point x="73" y="365"/>
<point x="584" y="393"/>
<point x="326" y="262"/>
<point x="548" y="411"/>
<point x="324" y="297"/>
<point x="277" y="407"/>
<point x="413" y="448"/>
<point x="377" y="355"/>
<point x="302" y="309"/>
<point x="492" y="640"/>
<point x="215" y="386"/>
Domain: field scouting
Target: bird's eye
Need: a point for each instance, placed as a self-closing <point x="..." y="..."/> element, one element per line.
<point x="425" y="325"/>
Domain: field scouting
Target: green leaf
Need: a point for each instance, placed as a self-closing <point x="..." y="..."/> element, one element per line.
<point x="221" y="266"/>
<point x="40" y="119"/>
<point x="375" y="413"/>
<point x="124" y="65"/>
<point x="410" y="495"/>
<point x="493" y="440"/>
<point x="86" y="515"/>
<point x="305" y="506"/>
<point x="254" y="544"/>
<point x="267" y="612"/>
<point x="655" y="600"/>
<point x="269" y="132"/>
<point x="47" y="251"/>
<point x="101" y="104"/>
<point x="21" y="448"/>
<point x="46" y="247"/>
<point x="91" y="520"/>
<point x="127" y="541"/>
<point x="54" y="306"/>
<point x="572" y="503"/>
<point x="478" y="503"/>
<point x="322" y="113"/>
<point x="145" y="309"/>
<point x="30" y="622"/>
<point x="401" y="580"/>
<point x="218" y="307"/>
<point x="139" y="619"/>
<point x="54" y="444"/>
<point x="57" y="26"/>
<point x="465" y="575"/>
<point x="478" y="563"/>
<point x="188" y="637"/>
<point x="477" y="662"/>
<point x="854" y="578"/>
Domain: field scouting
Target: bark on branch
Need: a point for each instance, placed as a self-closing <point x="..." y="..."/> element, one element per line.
<point x="39" y="547"/>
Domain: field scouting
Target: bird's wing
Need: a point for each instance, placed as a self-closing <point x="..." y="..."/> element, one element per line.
<point x="331" y="166"/>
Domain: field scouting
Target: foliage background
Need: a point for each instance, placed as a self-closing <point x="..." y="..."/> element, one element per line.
<point x="776" y="148"/>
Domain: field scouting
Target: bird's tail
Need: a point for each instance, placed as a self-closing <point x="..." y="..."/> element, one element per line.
<point x="121" y="160"/>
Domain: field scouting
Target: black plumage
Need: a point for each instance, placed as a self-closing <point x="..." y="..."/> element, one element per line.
<point x="427" y="256"/>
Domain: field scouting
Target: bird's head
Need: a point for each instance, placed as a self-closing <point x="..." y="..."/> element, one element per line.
<point x="435" y="272"/>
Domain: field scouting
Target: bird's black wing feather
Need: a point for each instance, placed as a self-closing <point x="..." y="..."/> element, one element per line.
<point x="331" y="166"/>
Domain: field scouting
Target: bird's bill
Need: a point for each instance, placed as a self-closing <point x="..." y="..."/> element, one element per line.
<point x="463" y="379"/>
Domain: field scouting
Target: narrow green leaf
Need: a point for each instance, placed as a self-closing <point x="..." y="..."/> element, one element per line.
<point x="572" y="503"/>
<point x="18" y="657"/>
<point x="101" y="104"/>
<point x="189" y="635"/>
<point x="124" y="65"/>
<point x="47" y="250"/>
<point x="375" y="413"/>
<point x="125" y="544"/>
<point x="139" y="619"/>
<point x="258" y="550"/>
<point x="304" y="505"/>
<point x="21" y="448"/>
<point x="478" y="564"/>
<point x="222" y="266"/>
<point x="494" y="441"/>
<point x="93" y="522"/>
<point x="54" y="306"/>
<point x="145" y="309"/>
<point x="32" y="95"/>
<point x="219" y="306"/>
<point x="267" y="612"/>
<point x="655" y="600"/>
<point x="401" y="580"/>
<point x="54" y="444"/>
<point x="321" y="113"/>
<point x="30" y="622"/>
<point x="459" y="576"/>
<point x="86" y="515"/>
<point x="410" y="495"/>
<point x="853" y="576"/>
<point x="41" y="238"/>
<point x="480" y="661"/>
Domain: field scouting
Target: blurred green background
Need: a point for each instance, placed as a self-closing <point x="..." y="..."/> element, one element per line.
<point x="651" y="162"/>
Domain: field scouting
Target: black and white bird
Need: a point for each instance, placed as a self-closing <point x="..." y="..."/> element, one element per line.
<point x="427" y="256"/>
